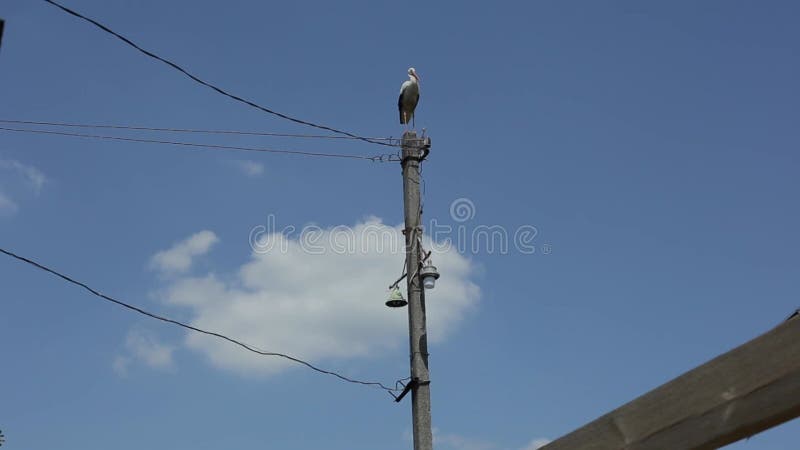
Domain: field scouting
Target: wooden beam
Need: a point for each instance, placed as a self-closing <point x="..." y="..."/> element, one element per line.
<point x="749" y="389"/>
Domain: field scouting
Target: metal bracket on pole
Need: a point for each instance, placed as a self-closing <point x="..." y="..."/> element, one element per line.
<point x="411" y="385"/>
<point x="405" y="274"/>
<point x="406" y="389"/>
<point x="426" y="148"/>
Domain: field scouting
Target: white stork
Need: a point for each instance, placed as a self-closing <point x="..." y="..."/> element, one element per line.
<point x="409" y="96"/>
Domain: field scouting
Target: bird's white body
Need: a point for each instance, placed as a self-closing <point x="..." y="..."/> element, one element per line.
<point x="409" y="97"/>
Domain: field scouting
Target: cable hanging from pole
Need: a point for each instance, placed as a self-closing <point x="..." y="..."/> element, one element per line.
<point x="212" y="86"/>
<point x="192" y="130"/>
<point x="247" y="347"/>
<point x="375" y="158"/>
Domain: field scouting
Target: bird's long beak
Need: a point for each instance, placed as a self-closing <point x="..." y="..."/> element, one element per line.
<point x="416" y="76"/>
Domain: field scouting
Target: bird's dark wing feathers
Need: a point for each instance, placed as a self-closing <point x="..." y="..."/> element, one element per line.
<point x="400" y="107"/>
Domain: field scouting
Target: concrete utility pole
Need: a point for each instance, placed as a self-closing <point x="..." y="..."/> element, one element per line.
<point x="412" y="156"/>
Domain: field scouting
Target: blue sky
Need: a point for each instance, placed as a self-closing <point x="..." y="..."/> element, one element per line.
<point x="652" y="145"/>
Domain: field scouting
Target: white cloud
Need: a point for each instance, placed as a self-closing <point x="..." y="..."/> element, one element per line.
<point x="7" y="206"/>
<point x="454" y="441"/>
<point x="316" y="306"/>
<point x="143" y="346"/>
<point x="536" y="444"/>
<point x="32" y="175"/>
<point x="180" y="256"/>
<point x="250" y="168"/>
<point x="121" y="364"/>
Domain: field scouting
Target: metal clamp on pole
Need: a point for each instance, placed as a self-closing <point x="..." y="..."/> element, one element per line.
<point x="411" y="385"/>
<point x="426" y="148"/>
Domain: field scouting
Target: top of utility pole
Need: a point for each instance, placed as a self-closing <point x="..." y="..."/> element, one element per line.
<point x="415" y="147"/>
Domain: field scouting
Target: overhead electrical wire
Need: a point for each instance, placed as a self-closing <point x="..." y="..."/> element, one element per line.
<point x="208" y="84"/>
<point x="248" y="347"/>
<point x="189" y="130"/>
<point x="376" y="158"/>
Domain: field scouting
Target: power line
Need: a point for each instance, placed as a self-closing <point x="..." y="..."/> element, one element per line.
<point x="206" y="83"/>
<point x="375" y="158"/>
<point x="189" y="130"/>
<point x="192" y="328"/>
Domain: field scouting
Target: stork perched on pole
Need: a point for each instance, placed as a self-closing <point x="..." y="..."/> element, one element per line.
<point x="409" y="97"/>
